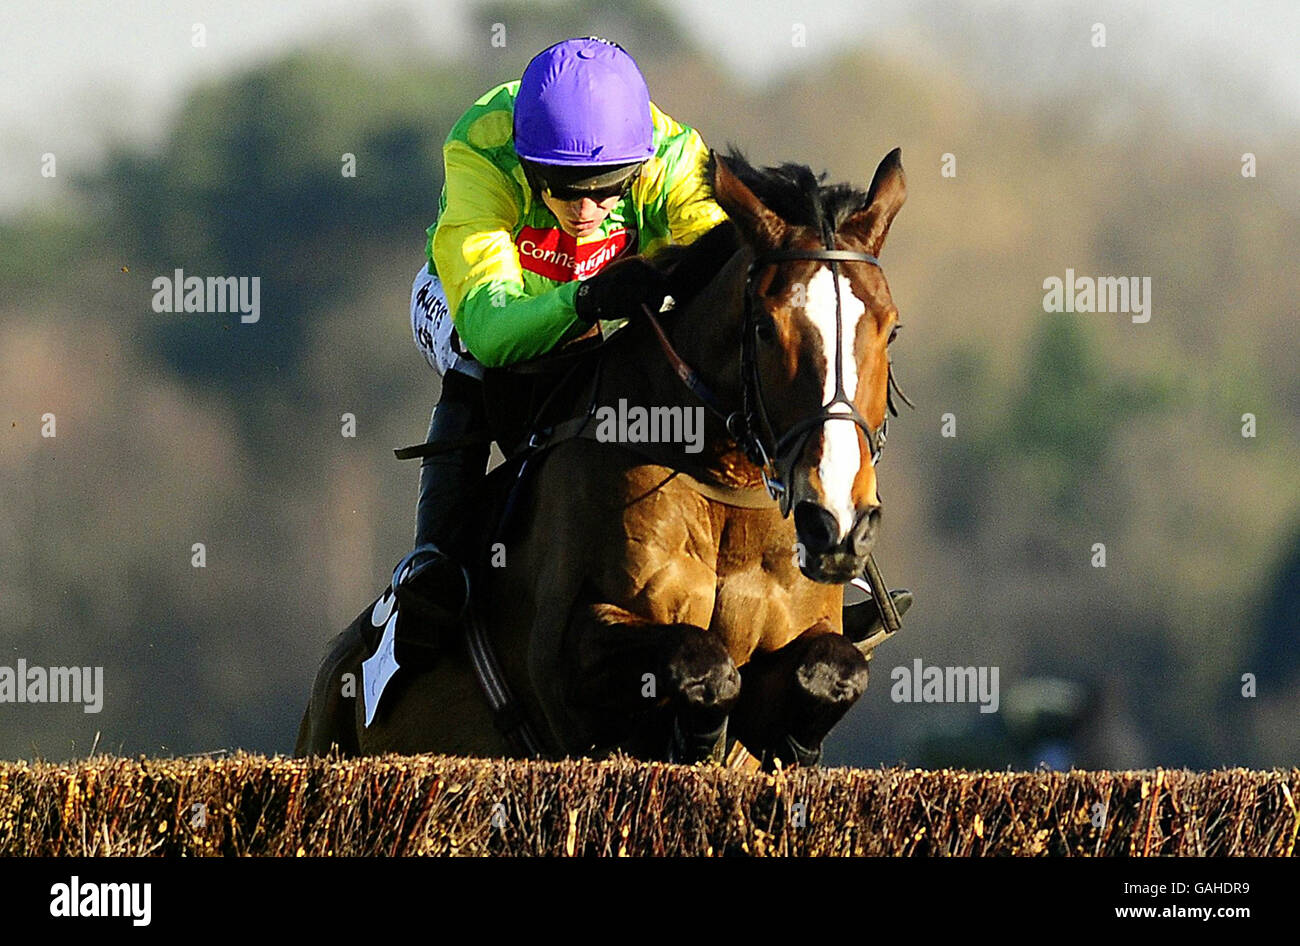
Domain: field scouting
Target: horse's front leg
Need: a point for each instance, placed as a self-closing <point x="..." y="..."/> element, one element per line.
<point x="793" y="697"/>
<point x="659" y="690"/>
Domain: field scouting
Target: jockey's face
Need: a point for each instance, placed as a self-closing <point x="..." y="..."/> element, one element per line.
<point x="581" y="217"/>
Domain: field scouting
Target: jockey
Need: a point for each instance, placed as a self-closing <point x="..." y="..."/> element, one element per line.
<point x="547" y="180"/>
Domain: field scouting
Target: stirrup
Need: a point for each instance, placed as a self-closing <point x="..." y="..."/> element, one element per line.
<point x="862" y="622"/>
<point x="427" y="561"/>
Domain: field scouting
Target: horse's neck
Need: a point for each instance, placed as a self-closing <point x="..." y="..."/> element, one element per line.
<point x="706" y="334"/>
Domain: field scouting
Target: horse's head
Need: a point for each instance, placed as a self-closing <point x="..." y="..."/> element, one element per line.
<point x="817" y="360"/>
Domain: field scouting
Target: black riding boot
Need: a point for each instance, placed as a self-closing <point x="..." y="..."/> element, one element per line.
<point x="430" y="583"/>
<point x="863" y="624"/>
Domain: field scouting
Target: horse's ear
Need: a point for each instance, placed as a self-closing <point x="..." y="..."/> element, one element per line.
<point x="888" y="191"/>
<point x="761" y="228"/>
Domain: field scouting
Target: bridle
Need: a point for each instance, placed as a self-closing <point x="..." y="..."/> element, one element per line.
<point x="777" y="460"/>
<point x="751" y="426"/>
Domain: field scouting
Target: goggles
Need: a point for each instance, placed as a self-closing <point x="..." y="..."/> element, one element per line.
<point x="563" y="184"/>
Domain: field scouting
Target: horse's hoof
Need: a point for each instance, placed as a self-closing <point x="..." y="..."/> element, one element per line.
<point x="790" y="752"/>
<point x="833" y="673"/>
<point x="702" y="674"/>
<point x="802" y="755"/>
<point x="687" y="748"/>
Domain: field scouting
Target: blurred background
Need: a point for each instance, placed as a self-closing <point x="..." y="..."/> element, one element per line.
<point x="225" y="157"/>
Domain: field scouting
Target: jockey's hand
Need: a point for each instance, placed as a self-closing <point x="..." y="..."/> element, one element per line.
<point x="620" y="289"/>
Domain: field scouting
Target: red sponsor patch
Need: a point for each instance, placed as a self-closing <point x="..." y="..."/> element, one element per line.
<point x="556" y="255"/>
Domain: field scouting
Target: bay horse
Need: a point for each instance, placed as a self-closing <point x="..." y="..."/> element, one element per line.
<point x="643" y="603"/>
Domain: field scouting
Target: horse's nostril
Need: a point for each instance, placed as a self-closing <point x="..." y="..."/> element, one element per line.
<point x="864" y="533"/>
<point x="816" y="527"/>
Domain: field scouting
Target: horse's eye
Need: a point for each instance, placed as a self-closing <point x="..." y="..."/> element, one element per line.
<point x="765" y="331"/>
<point x="893" y="333"/>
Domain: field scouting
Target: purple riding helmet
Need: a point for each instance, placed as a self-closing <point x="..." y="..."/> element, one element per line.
<point x="582" y="115"/>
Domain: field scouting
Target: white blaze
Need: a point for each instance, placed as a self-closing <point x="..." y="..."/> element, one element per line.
<point x="840" y="459"/>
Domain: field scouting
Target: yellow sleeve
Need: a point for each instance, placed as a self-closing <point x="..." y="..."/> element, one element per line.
<point x="692" y="211"/>
<point x="473" y="251"/>
<point x="472" y="243"/>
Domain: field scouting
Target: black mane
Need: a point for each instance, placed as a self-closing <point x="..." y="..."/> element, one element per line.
<point x="795" y="194"/>
<point x="791" y="191"/>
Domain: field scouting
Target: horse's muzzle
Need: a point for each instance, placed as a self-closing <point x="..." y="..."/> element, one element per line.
<point x="825" y="557"/>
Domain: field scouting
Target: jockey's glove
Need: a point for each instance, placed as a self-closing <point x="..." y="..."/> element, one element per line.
<point x="619" y="290"/>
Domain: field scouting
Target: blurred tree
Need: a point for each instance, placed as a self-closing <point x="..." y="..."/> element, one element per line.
<point x="963" y="469"/>
<point x="251" y="183"/>
<point x="1062" y="414"/>
<point x="1066" y="411"/>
